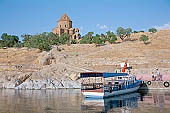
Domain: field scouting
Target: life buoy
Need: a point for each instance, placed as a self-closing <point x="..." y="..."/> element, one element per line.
<point x="166" y="84"/>
<point x="149" y="82"/>
<point x="110" y="89"/>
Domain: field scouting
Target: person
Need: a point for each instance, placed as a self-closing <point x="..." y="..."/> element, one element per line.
<point x="158" y="77"/>
<point x="124" y="67"/>
<point x="153" y="76"/>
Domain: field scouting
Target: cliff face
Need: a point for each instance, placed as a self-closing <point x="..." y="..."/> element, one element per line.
<point x="59" y="68"/>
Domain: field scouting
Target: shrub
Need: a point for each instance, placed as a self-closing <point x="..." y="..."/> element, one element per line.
<point x="144" y="38"/>
<point x="153" y="30"/>
<point x="74" y="41"/>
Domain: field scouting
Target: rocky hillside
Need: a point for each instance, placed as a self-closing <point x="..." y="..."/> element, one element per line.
<point x="59" y="68"/>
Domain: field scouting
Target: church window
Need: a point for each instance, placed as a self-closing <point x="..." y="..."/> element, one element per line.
<point x="65" y="26"/>
<point x="74" y="36"/>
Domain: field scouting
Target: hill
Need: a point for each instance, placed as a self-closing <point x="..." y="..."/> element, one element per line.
<point x="63" y="63"/>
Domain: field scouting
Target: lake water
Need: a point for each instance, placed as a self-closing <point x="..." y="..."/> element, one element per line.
<point x="71" y="101"/>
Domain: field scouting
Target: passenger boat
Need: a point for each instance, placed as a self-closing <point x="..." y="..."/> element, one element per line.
<point x="101" y="85"/>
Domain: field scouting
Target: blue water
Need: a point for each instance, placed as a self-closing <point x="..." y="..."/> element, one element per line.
<point x="72" y="101"/>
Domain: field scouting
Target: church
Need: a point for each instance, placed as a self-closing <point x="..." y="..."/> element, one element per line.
<point x="64" y="25"/>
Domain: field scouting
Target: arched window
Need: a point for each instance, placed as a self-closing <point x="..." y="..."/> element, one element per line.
<point x="65" y="26"/>
<point x="75" y="37"/>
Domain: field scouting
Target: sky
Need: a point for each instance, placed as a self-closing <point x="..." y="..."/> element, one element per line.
<point x="19" y="17"/>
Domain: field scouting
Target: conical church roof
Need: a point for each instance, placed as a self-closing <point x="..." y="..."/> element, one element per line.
<point x="64" y="17"/>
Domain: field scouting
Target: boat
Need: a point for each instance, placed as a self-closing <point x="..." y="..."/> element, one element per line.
<point x="103" y="85"/>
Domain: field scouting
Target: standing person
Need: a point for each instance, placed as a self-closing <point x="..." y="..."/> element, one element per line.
<point x="158" y="74"/>
<point x="153" y="76"/>
<point x="124" y="67"/>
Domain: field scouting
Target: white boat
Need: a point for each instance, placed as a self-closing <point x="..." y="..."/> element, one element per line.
<point x="102" y="85"/>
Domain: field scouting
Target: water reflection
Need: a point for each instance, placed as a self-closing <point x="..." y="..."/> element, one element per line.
<point x="40" y="101"/>
<point x="72" y="101"/>
<point x="154" y="101"/>
<point x="125" y="102"/>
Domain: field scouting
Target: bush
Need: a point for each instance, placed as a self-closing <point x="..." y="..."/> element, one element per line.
<point x="135" y="31"/>
<point x="153" y="30"/>
<point x="74" y="41"/>
<point x="142" y="31"/>
<point x="144" y="38"/>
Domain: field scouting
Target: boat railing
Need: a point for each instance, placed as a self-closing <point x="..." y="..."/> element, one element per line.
<point x="114" y="87"/>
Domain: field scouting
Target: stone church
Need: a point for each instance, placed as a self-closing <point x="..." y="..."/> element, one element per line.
<point x="64" y="25"/>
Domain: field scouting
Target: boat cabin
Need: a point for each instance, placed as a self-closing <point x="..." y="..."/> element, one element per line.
<point x="106" y="82"/>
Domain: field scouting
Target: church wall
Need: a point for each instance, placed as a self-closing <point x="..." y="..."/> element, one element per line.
<point x="64" y="24"/>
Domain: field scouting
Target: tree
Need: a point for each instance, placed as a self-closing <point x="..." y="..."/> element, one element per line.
<point x="120" y="32"/>
<point x="153" y="30"/>
<point x="135" y="31"/>
<point x="64" y="38"/>
<point x="87" y="39"/>
<point x="9" y="40"/>
<point x="52" y="39"/>
<point x="39" y="41"/>
<point x="111" y="37"/>
<point x="97" y="39"/>
<point x="123" y="33"/>
<point x="144" y="38"/>
<point x="1" y="43"/>
<point x="103" y="37"/>
<point x="127" y="32"/>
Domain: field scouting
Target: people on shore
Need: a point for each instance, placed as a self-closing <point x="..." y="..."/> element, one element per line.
<point x="157" y="76"/>
<point x="153" y="76"/>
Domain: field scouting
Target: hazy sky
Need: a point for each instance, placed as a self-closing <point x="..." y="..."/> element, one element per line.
<point x="35" y="16"/>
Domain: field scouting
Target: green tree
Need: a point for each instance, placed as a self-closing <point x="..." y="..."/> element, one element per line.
<point x="128" y="31"/>
<point x="123" y="33"/>
<point x="135" y="32"/>
<point x="111" y="37"/>
<point x="1" y="43"/>
<point x="9" y="40"/>
<point x="87" y="39"/>
<point x="52" y="39"/>
<point x="64" y="38"/>
<point x="103" y="37"/>
<point x="37" y="41"/>
<point x="97" y="39"/>
<point x="153" y="30"/>
<point x="144" y="38"/>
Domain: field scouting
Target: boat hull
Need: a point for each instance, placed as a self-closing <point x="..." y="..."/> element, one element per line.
<point x="120" y="92"/>
<point x="107" y="94"/>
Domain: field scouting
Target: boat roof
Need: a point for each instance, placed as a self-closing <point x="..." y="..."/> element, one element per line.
<point x="91" y="74"/>
<point x="99" y="74"/>
<point x="106" y="75"/>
